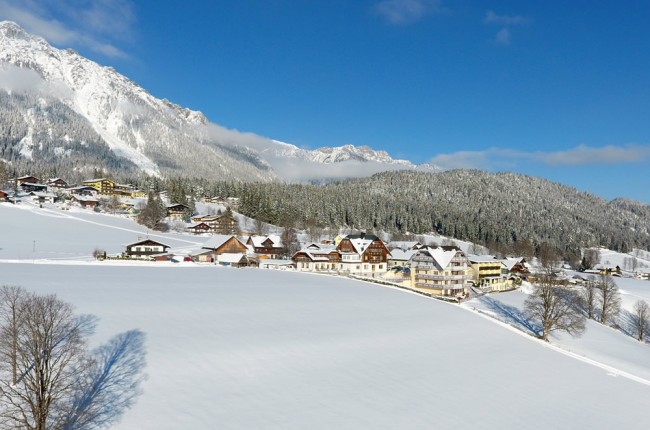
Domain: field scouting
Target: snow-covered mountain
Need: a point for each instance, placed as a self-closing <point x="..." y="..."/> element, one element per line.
<point x="57" y="107"/>
<point x="105" y="108"/>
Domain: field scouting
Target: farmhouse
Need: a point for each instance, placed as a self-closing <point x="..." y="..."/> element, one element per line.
<point x="266" y="246"/>
<point x="220" y="244"/>
<point x="56" y="183"/>
<point x="145" y="249"/>
<point x="363" y="254"/>
<point x="317" y="258"/>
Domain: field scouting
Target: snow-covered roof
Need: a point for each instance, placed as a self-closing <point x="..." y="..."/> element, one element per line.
<point x="482" y="259"/>
<point x="227" y="257"/>
<point x="217" y="240"/>
<point x="400" y="255"/>
<point x="511" y="262"/>
<point x="258" y="241"/>
<point x="441" y="256"/>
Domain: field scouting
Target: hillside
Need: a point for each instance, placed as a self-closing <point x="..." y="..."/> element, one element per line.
<point x="497" y="209"/>
<point x="250" y="348"/>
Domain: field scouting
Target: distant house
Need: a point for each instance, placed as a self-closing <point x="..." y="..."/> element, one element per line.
<point x="440" y="271"/>
<point x="517" y="266"/>
<point x="30" y="187"/>
<point x="363" y="254"/>
<point x="4" y="197"/>
<point x="400" y="258"/>
<point x="145" y="249"/>
<point x="82" y="190"/>
<point x="266" y="246"/>
<point x="56" y="183"/>
<point x="177" y="210"/>
<point x="224" y="224"/>
<point x="233" y="259"/>
<point x="199" y="228"/>
<point x="42" y="197"/>
<point x="489" y="273"/>
<point x="222" y="244"/>
<point x="86" y="202"/>
<point x="317" y="258"/>
<point x="103" y="186"/>
<point x="27" y="180"/>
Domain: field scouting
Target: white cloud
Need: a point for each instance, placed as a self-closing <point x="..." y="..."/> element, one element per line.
<point x="91" y="24"/>
<point x="502" y="37"/>
<point x="493" y="18"/>
<point x="401" y="12"/>
<point x="17" y="79"/>
<point x="499" y="158"/>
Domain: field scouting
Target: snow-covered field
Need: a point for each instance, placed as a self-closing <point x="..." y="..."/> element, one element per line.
<point x="246" y="348"/>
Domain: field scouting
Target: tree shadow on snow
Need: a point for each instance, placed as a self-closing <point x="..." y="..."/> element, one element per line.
<point x="112" y="384"/>
<point x="511" y="315"/>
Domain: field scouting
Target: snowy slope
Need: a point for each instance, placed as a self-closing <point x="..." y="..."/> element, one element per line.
<point x="246" y="348"/>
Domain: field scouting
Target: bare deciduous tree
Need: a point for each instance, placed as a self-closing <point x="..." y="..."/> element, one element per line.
<point x="610" y="299"/>
<point x="48" y="365"/>
<point x="557" y="308"/>
<point x="641" y="318"/>
<point x="590" y="257"/>
<point x="589" y="297"/>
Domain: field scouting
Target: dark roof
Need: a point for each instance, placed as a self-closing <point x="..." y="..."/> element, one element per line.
<point x="148" y="241"/>
<point x="362" y="236"/>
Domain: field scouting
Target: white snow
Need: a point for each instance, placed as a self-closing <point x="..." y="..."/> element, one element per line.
<point x="249" y="348"/>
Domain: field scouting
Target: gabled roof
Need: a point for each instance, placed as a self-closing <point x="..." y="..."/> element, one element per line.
<point x="511" y="262"/>
<point x="227" y="257"/>
<point x="217" y="240"/>
<point x="482" y="259"/>
<point x="400" y="255"/>
<point x="441" y="256"/>
<point x="151" y="241"/>
<point x="258" y="241"/>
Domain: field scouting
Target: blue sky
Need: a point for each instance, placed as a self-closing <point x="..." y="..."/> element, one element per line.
<point x="554" y="89"/>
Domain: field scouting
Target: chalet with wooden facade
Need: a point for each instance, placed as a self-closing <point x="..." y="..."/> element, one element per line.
<point x="30" y="187"/>
<point x="363" y="254"/>
<point x="56" y="183"/>
<point x="440" y="271"/>
<point x="145" y="249"/>
<point x="220" y="244"/>
<point x="27" y="180"/>
<point x="177" y="210"/>
<point x="85" y="201"/>
<point x="4" y="197"/>
<point x="199" y="228"/>
<point x="317" y="258"/>
<point x="266" y="246"/>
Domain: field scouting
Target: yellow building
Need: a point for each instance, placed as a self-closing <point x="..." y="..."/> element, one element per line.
<point x="489" y="273"/>
<point x="103" y="186"/>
